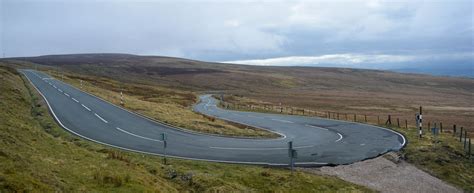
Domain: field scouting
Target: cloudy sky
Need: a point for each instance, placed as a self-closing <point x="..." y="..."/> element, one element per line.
<point x="367" y="34"/>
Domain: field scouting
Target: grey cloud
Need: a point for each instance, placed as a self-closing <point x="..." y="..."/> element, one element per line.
<point x="237" y="30"/>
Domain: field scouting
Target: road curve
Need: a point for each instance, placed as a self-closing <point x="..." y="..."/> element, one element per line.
<point x="318" y="141"/>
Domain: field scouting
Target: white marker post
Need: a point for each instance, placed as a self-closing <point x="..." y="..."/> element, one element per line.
<point x="81" y="84"/>
<point x="421" y="122"/>
<point x="121" y="98"/>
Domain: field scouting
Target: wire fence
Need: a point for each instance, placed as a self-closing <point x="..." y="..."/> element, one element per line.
<point x="434" y="128"/>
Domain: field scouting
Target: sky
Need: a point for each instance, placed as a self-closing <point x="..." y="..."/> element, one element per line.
<point x="362" y="34"/>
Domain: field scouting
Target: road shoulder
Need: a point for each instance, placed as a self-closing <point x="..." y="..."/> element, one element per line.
<point x="386" y="174"/>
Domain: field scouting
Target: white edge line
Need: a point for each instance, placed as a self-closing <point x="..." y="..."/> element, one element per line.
<point x="75" y="100"/>
<point x="98" y="116"/>
<point x="139" y="136"/>
<point x="158" y="154"/>
<point x="263" y="148"/>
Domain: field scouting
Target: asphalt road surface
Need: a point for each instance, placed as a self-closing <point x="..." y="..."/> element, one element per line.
<point x="318" y="141"/>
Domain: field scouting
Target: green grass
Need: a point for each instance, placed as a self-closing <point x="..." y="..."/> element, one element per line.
<point x="36" y="155"/>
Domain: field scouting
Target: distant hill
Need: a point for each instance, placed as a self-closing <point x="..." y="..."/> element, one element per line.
<point x="208" y="75"/>
<point x="345" y="90"/>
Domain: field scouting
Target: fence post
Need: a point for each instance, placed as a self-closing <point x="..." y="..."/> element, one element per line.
<point x="454" y="130"/>
<point x="465" y="139"/>
<point x="389" y="120"/>
<point x="460" y="135"/>
<point x="378" y="120"/>
<point x="469" y="147"/>
<point x="441" y="127"/>
<point x="406" y="124"/>
<point x="337" y="116"/>
<point x="429" y="126"/>
<point x="398" y="122"/>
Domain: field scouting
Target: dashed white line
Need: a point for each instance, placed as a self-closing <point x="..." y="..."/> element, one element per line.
<point x="139" y="136"/>
<point x="316" y="127"/>
<point x="66" y="94"/>
<point x="100" y="118"/>
<point x="60" y="90"/>
<point x="86" y="107"/>
<point x="54" y="86"/>
<point x="281" y="120"/>
<point x="75" y="100"/>
<point x="340" y="137"/>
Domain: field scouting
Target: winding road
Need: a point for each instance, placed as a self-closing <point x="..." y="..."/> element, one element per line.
<point x="318" y="141"/>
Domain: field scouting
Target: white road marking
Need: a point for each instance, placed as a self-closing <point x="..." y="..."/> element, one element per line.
<point x="55" y="86"/>
<point x="251" y="149"/>
<point x="150" y="153"/>
<point x="60" y="90"/>
<point x="86" y="107"/>
<point x="139" y="136"/>
<point x="258" y="149"/>
<point x="66" y="94"/>
<point x="340" y="137"/>
<point x="75" y="100"/>
<point x="316" y="127"/>
<point x="281" y="120"/>
<point x="100" y="118"/>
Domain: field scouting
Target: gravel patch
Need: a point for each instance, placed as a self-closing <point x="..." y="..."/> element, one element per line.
<point x="387" y="174"/>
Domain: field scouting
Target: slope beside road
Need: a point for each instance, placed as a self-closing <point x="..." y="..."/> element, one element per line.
<point x="318" y="141"/>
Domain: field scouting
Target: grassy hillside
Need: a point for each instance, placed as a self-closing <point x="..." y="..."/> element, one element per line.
<point x="38" y="156"/>
<point x="167" y="105"/>
<point x="370" y="92"/>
